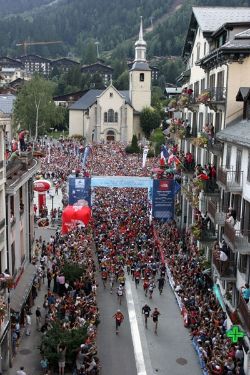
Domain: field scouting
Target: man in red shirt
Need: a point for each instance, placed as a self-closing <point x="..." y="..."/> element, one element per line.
<point x="119" y="317"/>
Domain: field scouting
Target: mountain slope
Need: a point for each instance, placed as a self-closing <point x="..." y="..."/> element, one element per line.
<point x="108" y="21"/>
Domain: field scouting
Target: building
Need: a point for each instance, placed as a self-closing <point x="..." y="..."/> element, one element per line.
<point x="112" y="115"/>
<point x="217" y="57"/>
<point x="6" y="110"/>
<point x="104" y="71"/>
<point x="36" y="64"/>
<point x="68" y="99"/>
<point x="20" y="230"/>
<point x="4" y="327"/>
<point x="64" y="64"/>
<point x="155" y="72"/>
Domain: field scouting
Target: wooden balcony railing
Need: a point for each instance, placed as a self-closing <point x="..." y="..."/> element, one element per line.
<point x="232" y="181"/>
<point x="237" y="240"/>
<point x="226" y="270"/>
<point x="215" y="214"/>
<point x="244" y="312"/>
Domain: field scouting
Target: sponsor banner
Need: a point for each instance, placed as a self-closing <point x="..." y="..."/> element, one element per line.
<point x="121" y="182"/>
<point x="163" y="199"/>
<point x="79" y="188"/>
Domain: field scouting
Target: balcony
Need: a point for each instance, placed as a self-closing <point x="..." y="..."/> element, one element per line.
<point x="237" y="240"/>
<point x="213" y="96"/>
<point x="225" y="270"/>
<point x="215" y="147"/>
<point x="211" y="189"/>
<point x="208" y="235"/>
<point x="244" y="313"/>
<point x="229" y="180"/>
<point x="215" y="214"/>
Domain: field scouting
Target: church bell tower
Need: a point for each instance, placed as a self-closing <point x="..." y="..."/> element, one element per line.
<point x="140" y="76"/>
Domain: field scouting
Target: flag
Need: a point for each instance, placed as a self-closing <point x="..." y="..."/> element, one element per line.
<point x="164" y="152"/>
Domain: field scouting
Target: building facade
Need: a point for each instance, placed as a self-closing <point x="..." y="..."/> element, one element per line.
<point x="213" y="102"/>
<point x="112" y="115"/>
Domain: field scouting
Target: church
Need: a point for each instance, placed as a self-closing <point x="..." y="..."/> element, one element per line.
<point x="112" y="115"/>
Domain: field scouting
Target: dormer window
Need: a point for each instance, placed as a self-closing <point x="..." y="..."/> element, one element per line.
<point x="111" y="95"/>
<point x="141" y="77"/>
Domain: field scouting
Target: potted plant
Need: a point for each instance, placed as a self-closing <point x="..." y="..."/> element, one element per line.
<point x="196" y="231"/>
<point x="200" y="141"/>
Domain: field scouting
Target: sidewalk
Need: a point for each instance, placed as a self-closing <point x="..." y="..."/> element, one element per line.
<point x="28" y="353"/>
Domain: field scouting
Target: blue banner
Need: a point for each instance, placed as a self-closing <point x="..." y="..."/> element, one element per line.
<point x="121" y="182"/>
<point x="79" y="188"/>
<point x="163" y="199"/>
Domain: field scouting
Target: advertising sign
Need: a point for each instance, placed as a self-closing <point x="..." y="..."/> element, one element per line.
<point x="79" y="188"/>
<point x="163" y="199"/>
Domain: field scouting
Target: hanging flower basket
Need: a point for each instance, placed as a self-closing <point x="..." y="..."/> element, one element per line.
<point x="181" y="132"/>
<point x="204" y="97"/>
<point x="200" y="141"/>
<point x="198" y="184"/>
<point x="172" y="103"/>
<point x="196" y="231"/>
<point x="183" y="101"/>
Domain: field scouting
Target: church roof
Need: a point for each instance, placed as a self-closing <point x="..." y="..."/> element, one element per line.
<point x="88" y="99"/>
<point x="138" y="65"/>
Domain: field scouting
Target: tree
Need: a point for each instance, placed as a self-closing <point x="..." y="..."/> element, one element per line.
<point x="133" y="148"/>
<point x="150" y="119"/>
<point x="157" y="138"/>
<point x="34" y="107"/>
<point x="122" y="82"/>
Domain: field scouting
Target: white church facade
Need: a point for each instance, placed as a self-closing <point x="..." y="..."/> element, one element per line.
<point x="112" y="115"/>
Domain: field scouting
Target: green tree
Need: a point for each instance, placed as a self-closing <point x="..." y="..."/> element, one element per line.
<point x="89" y="56"/>
<point x="122" y="83"/>
<point x="150" y="119"/>
<point x="157" y="138"/>
<point x="34" y="107"/>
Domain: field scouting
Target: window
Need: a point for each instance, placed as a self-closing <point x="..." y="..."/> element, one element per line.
<point x="205" y="49"/>
<point x="110" y="94"/>
<point x="238" y="166"/>
<point x="243" y="263"/>
<point x="228" y="158"/>
<point x="248" y="167"/>
<point x="141" y="77"/>
<point x="110" y="116"/>
<point x="203" y="84"/>
<point x="200" y="122"/>
<point x="198" y="50"/>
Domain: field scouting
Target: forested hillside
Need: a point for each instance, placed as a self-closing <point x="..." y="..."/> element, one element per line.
<point x="113" y="23"/>
<point x="19" y="6"/>
<point x="76" y="22"/>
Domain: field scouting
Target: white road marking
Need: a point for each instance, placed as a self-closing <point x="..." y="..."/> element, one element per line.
<point x="139" y="358"/>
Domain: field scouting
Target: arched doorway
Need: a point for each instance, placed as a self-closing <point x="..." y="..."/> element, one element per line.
<point x="110" y="137"/>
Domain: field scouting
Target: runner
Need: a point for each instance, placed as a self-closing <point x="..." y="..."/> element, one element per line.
<point x="137" y="275"/>
<point x="146" y="311"/>
<point x="111" y="281"/>
<point x="104" y="277"/>
<point x="146" y="286"/>
<point x="155" y="316"/>
<point x="119" y="317"/>
<point x="151" y="289"/>
<point x="120" y="292"/>
<point x="161" y="283"/>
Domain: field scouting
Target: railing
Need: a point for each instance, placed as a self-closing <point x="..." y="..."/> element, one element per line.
<point x="244" y="312"/>
<point x="215" y="214"/>
<point x="231" y="180"/>
<point x="226" y="269"/>
<point x="211" y="188"/>
<point x="208" y="235"/>
<point x="237" y="240"/>
<point x="216" y="94"/>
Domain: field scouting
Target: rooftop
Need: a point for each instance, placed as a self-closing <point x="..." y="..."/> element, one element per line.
<point x="7" y="103"/>
<point x="211" y="18"/>
<point x="238" y="133"/>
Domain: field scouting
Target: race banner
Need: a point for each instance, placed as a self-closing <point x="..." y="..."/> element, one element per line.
<point x="79" y="188"/>
<point x="163" y="199"/>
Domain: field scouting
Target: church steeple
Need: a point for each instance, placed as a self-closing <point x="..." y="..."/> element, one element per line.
<point x="140" y="46"/>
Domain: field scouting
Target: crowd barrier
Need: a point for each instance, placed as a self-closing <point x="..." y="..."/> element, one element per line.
<point x="183" y="310"/>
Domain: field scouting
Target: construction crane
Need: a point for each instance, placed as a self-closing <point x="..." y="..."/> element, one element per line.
<point x="25" y="44"/>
